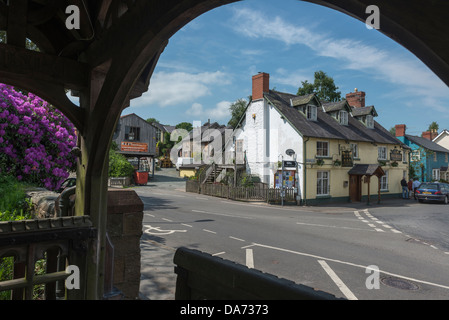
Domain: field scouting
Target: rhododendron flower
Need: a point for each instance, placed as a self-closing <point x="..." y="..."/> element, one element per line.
<point x="35" y="139"/>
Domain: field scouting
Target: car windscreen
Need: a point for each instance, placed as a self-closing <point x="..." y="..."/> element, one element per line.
<point x="432" y="186"/>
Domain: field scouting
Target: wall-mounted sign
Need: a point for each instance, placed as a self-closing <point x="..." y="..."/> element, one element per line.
<point x="346" y="159"/>
<point x="395" y="155"/>
<point x="134" y="147"/>
<point x="289" y="164"/>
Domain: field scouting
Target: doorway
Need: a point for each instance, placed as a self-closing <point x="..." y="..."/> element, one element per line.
<point x="355" y="188"/>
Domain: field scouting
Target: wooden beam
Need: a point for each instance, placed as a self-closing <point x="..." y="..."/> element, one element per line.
<point x="17" y="22"/>
<point x="43" y="67"/>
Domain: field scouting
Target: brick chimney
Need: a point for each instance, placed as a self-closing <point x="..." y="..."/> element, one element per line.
<point x="400" y="130"/>
<point x="356" y="99"/>
<point x="430" y="135"/>
<point x="261" y="84"/>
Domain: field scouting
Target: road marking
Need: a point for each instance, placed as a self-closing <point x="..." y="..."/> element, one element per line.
<point x="222" y="214"/>
<point x="150" y="215"/>
<point x="343" y="288"/>
<point x="250" y="258"/>
<point x="218" y="254"/>
<point x="346" y="263"/>
<point x="187" y="225"/>
<point x="159" y="232"/>
<point x="327" y="226"/>
<point x="205" y="230"/>
<point x="168" y="220"/>
<point x="373" y="219"/>
<point x="234" y="238"/>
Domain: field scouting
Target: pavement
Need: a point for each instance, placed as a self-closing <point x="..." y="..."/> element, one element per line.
<point x="158" y="279"/>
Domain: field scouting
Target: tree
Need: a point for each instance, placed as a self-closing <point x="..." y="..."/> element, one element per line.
<point x="434" y="126"/>
<point x="237" y="110"/>
<point x="323" y="86"/>
<point x="185" y="125"/>
<point x="152" y="120"/>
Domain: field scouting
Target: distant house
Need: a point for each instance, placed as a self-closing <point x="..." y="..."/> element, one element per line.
<point x="442" y="139"/>
<point x="338" y="147"/>
<point x="192" y="157"/>
<point x="136" y="140"/>
<point x="428" y="158"/>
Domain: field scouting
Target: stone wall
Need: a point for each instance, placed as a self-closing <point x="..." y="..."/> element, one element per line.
<point x="124" y="225"/>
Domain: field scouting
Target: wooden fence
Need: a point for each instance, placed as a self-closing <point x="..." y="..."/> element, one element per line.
<point x="260" y="192"/>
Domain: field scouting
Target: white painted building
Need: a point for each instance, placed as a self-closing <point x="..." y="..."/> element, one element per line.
<point x="262" y="133"/>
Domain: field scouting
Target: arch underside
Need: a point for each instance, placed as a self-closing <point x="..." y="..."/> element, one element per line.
<point x="110" y="59"/>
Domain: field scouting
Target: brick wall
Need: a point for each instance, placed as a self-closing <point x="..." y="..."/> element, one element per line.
<point x="124" y="225"/>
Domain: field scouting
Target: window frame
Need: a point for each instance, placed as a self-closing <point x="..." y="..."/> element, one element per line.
<point x="322" y="183"/>
<point x="369" y="121"/>
<point x="384" y="185"/>
<point x="379" y="153"/>
<point x="311" y="112"/>
<point x="343" y="117"/>
<point x="135" y="130"/>
<point x="355" y="150"/>
<point x="327" y="149"/>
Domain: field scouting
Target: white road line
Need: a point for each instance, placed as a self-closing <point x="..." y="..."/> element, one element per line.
<point x="346" y="263"/>
<point x="343" y="288"/>
<point x="250" y="258"/>
<point x="222" y="214"/>
<point x="187" y="225"/>
<point x="218" y="254"/>
<point x="150" y="215"/>
<point x="168" y="220"/>
<point x="327" y="226"/>
<point x="205" y="230"/>
<point x="238" y="239"/>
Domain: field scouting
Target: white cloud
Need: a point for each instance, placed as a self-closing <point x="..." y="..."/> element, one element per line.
<point x="171" y="89"/>
<point x="352" y="54"/>
<point x="220" y="112"/>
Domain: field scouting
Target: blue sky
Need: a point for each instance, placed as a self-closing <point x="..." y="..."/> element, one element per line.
<point x="210" y="62"/>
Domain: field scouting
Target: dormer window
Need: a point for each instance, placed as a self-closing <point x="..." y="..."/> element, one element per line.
<point x="343" y="115"/>
<point x="370" y="121"/>
<point x="311" y="113"/>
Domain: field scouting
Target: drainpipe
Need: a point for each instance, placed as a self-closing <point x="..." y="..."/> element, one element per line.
<point x="305" y="169"/>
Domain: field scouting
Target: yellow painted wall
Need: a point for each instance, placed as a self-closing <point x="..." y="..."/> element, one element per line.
<point x="187" y="173"/>
<point x="339" y="177"/>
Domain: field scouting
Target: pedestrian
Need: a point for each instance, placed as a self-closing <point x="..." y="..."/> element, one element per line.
<point x="404" y="188"/>
<point x="416" y="185"/>
<point x="410" y="188"/>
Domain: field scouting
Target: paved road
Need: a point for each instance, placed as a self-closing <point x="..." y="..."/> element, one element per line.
<point x="327" y="248"/>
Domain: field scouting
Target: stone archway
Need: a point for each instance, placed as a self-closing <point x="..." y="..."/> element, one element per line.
<point x="110" y="59"/>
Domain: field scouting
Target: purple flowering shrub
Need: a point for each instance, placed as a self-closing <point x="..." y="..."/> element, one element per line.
<point x="35" y="140"/>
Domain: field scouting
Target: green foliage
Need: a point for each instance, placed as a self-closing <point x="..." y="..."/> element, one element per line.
<point x="119" y="166"/>
<point x="323" y="86"/>
<point x="434" y="126"/>
<point x="13" y="204"/>
<point x="237" y="110"/>
<point x="185" y="125"/>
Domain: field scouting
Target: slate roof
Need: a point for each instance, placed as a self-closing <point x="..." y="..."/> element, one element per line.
<point x="326" y="126"/>
<point x="367" y="169"/>
<point x="427" y="144"/>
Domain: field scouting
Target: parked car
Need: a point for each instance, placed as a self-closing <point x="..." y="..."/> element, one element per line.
<point x="433" y="191"/>
<point x="68" y="183"/>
